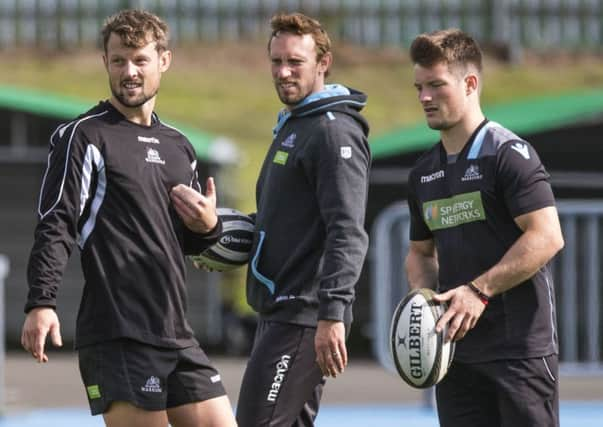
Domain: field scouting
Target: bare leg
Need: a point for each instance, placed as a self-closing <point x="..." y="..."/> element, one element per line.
<point x="216" y="412"/>
<point x="124" y="414"/>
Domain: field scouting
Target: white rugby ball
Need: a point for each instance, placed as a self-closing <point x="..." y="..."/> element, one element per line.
<point x="421" y="357"/>
<point x="233" y="247"/>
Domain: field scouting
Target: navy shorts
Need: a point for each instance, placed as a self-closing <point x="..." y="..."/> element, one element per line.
<point x="282" y="384"/>
<point x="504" y="393"/>
<point x="149" y="377"/>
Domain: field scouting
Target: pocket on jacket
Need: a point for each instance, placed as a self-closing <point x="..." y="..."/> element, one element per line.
<point x="269" y="284"/>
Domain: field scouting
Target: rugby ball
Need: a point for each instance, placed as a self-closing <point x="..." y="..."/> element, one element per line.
<point x="233" y="247"/>
<point x="421" y="357"/>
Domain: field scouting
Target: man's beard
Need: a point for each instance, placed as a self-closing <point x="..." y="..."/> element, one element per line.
<point x="133" y="102"/>
<point x="291" y="100"/>
<point x="287" y="99"/>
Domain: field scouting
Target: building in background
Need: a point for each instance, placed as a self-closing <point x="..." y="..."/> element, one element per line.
<point x="505" y="26"/>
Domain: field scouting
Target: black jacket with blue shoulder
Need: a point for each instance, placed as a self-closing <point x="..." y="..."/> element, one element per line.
<point x="310" y="242"/>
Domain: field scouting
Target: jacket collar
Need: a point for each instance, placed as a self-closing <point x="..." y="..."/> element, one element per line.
<point x="329" y="91"/>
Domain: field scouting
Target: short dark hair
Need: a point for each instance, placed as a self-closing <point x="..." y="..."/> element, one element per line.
<point x="136" y="28"/>
<point x="300" y="24"/>
<point x="451" y="46"/>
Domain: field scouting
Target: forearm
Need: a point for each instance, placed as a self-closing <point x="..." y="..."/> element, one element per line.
<point x="527" y="255"/>
<point x="421" y="270"/>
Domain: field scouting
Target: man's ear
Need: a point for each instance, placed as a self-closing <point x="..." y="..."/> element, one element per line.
<point x="165" y="59"/>
<point x="471" y="83"/>
<point x="325" y="63"/>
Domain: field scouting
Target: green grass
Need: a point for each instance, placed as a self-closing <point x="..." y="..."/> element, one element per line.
<point x="226" y="89"/>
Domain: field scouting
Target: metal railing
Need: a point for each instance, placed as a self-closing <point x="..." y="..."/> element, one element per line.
<point x="512" y="24"/>
<point x="4" y="270"/>
<point x="577" y="272"/>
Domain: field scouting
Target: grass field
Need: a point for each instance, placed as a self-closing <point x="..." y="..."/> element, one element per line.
<point x="226" y="88"/>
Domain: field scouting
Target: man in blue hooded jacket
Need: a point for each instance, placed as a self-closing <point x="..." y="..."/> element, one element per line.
<point x="310" y="240"/>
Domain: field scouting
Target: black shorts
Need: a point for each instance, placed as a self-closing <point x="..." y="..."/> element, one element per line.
<point x="282" y="384"/>
<point x="151" y="378"/>
<point x="505" y="393"/>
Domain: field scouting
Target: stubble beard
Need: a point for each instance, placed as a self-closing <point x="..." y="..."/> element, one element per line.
<point x="135" y="102"/>
<point x="288" y="100"/>
<point x="440" y="124"/>
<point x="296" y="97"/>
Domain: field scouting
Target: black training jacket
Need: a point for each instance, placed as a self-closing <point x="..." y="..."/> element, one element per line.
<point x="106" y="188"/>
<point x="310" y="241"/>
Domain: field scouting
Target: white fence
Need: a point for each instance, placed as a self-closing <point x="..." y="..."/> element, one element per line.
<point x="511" y="24"/>
<point x="577" y="271"/>
<point x="4" y="270"/>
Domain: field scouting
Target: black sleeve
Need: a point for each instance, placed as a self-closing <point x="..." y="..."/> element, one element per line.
<point x="195" y="243"/>
<point x="339" y="166"/>
<point x="522" y="178"/>
<point x="58" y="212"/>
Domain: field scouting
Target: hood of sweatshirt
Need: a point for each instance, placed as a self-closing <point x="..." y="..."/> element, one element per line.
<point x="333" y="98"/>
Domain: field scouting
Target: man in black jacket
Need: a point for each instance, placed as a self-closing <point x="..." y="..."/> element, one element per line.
<point x="118" y="184"/>
<point x="310" y="240"/>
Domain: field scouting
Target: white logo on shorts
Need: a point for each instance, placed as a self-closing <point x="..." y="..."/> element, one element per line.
<point x="215" y="378"/>
<point x="153" y="385"/>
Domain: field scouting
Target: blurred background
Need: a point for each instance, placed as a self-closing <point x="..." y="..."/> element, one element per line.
<point x="543" y="80"/>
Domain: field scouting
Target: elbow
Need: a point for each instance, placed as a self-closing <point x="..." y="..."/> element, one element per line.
<point x="557" y="243"/>
<point x="560" y="243"/>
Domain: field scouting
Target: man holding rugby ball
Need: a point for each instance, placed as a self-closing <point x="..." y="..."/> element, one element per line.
<point x="483" y="229"/>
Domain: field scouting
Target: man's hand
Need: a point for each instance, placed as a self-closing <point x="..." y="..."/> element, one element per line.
<point x="201" y="266"/>
<point x="38" y="324"/>
<point x="329" y="344"/>
<point x="464" y="309"/>
<point x="198" y="211"/>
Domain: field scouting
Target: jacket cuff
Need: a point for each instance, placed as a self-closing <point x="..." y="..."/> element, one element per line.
<point x="332" y="310"/>
<point x="40" y="297"/>
<point x="215" y="232"/>
<point x="29" y="307"/>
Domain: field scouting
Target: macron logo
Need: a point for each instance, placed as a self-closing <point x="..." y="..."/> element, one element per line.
<point x="521" y="149"/>
<point x="436" y="175"/>
<point x="150" y="140"/>
<point x="282" y="367"/>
